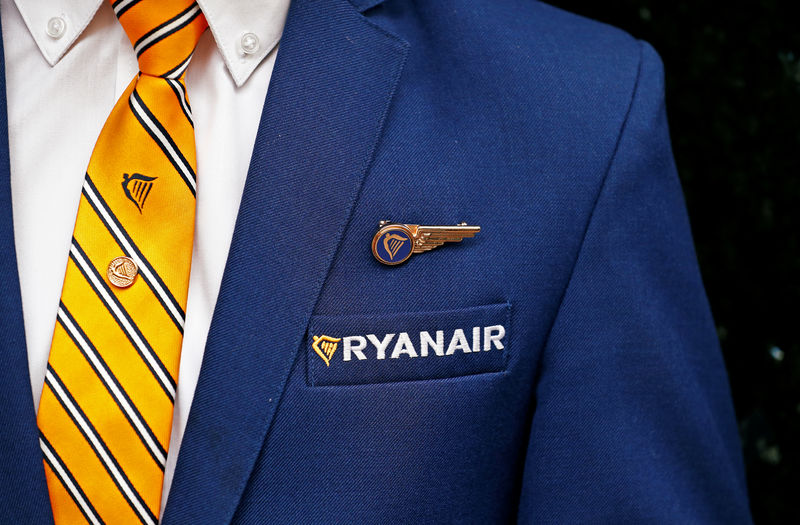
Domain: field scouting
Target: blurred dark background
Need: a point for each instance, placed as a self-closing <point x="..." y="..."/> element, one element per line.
<point x="733" y="99"/>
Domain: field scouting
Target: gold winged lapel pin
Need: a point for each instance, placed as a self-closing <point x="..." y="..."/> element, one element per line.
<point x="394" y="242"/>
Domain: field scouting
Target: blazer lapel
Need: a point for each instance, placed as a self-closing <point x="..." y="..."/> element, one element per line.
<point x="22" y="482"/>
<point x="330" y="91"/>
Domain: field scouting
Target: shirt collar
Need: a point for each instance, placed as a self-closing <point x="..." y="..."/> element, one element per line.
<point x="232" y="24"/>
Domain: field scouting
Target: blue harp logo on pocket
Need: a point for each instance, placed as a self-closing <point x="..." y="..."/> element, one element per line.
<point x="137" y="188"/>
<point x="325" y="346"/>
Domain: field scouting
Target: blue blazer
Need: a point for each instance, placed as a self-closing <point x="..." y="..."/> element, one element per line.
<point x="559" y="367"/>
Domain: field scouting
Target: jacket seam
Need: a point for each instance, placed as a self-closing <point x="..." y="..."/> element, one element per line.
<point x="590" y="218"/>
<point x="612" y="158"/>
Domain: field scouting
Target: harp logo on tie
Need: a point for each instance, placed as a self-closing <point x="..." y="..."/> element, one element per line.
<point x="325" y="347"/>
<point x="137" y="187"/>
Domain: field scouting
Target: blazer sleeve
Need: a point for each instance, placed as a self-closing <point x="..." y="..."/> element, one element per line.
<point x="633" y="420"/>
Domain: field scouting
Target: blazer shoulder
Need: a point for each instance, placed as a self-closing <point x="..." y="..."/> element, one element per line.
<point x="519" y="42"/>
<point x="565" y="32"/>
<point x="578" y="46"/>
<point x="522" y="73"/>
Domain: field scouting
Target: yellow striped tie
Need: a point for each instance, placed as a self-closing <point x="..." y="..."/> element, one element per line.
<point x="106" y="409"/>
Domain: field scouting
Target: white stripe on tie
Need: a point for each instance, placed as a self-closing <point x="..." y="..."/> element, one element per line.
<point x="107" y="380"/>
<point x="94" y="439"/>
<point x="123" y="321"/>
<point x="133" y="254"/>
<point x="62" y="475"/>
<point x="166" y="29"/>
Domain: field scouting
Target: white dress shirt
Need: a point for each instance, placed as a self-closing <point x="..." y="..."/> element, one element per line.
<point x="67" y="62"/>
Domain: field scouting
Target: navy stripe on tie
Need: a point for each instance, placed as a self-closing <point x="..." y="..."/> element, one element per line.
<point x="160" y="135"/>
<point x="115" y="390"/>
<point x="68" y="481"/>
<point x="170" y="27"/>
<point x="129" y="248"/>
<point x="123" y="319"/>
<point x="120" y="6"/>
<point x="178" y="70"/>
<point x="180" y="92"/>
<point x="118" y="476"/>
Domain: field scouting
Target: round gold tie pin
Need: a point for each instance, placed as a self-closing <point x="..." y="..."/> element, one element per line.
<point x="122" y="271"/>
<point x="395" y="243"/>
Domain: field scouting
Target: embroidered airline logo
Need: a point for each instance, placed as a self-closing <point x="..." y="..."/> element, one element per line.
<point x="325" y="347"/>
<point x="404" y="345"/>
<point x="137" y="187"/>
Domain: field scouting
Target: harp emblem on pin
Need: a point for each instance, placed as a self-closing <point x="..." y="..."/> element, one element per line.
<point x="325" y="346"/>
<point x="393" y="242"/>
<point x="137" y="187"/>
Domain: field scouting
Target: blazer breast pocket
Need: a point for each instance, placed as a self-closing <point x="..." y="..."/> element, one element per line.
<point x="407" y="346"/>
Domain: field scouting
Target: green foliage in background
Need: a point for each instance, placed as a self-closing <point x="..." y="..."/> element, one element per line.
<point x="733" y="98"/>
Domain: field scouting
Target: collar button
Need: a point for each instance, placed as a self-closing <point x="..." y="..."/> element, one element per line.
<point x="249" y="43"/>
<point x="56" y="27"/>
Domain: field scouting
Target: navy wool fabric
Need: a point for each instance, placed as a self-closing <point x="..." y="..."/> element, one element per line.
<point x="602" y="397"/>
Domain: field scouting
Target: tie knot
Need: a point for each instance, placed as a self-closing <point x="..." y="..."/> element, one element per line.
<point x="164" y="33"/>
